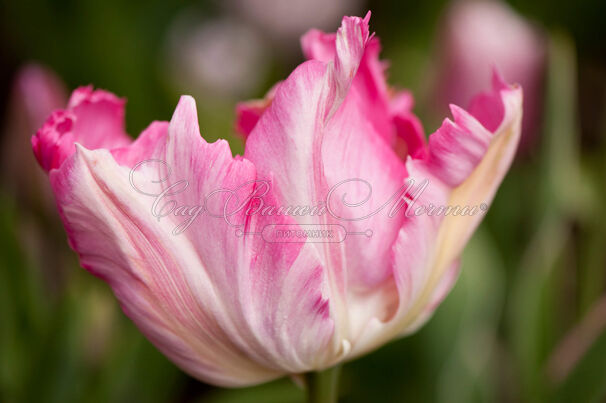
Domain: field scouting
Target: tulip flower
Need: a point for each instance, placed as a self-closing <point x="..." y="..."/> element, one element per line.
<point x="480" y="35"/>
<point x="36" y="92"/>
<point x="281" y="261"/>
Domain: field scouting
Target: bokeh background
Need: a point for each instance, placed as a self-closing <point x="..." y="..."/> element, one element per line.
<point x="527" y="318"/>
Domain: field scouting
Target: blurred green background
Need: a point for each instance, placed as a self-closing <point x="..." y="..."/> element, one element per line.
<point x="527" y="318"/>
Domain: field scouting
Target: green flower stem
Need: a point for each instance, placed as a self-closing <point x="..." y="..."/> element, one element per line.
<point x="323" y="386"/>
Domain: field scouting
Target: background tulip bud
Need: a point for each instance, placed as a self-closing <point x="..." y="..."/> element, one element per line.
<point x="36" y="92"/>
<point x="477" y="36"/>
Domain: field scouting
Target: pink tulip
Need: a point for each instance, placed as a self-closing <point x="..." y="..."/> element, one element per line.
<point x="224" y="302"/>
<point x="36" y="92"/>
<point x="478" y="36"/>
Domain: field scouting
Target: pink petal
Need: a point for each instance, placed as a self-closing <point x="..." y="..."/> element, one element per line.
<point x="287" y="139"/>
<point x="303" y="122"/>
<point x="286" y="143"/>
<point x="352" y="150"/>
<point x="410" y="136"/>
<point x="248" y="113"/>
<point x="40" y="91"/>
<point x="469" y="179"/>
<point x="94" y="119"/>
<point x="391" y="118"/>
<point x="476" y="36"/>
<point x="465" y="165"/>
<point x="487" y="107"/>
<point x="156" y="276"/>
<point x="219" y="305"/>
<point x="36" y="92"/>
<point x="293" y="271"/>
<point x="369" y="80"/>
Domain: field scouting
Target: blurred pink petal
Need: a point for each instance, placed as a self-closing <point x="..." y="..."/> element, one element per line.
<point x="36" y="92"/>
<point x="478" y="36"/>
<point x="40" y="91"/>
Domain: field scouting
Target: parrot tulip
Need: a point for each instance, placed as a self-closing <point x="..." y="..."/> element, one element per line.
<point x="326" y="150"/>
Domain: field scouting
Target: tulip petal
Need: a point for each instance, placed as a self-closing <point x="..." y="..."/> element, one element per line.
<point x="479" y="169"/>
<point x="391" y="116"/>
<point x="287" y="143"/>
<point x="410" y="136"/>
<point x="292" y="270"/>
<point x="110" y="228"/>
<point x="465" y="164"/>
<point x="94" y="119"/>
<point x="352" y="152"/>
<point x="345" y="134"/>
<point x="248" y="113"/>
<point x="40" y="91"/>
<point x="217" y="304"/>
<point x="369" y="81"/>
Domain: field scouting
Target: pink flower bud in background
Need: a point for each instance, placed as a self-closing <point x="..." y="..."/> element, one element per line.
<point x="36" y="92"/>
<point x="478" y="36"/>
<point x="220" y="58"/>
<point x="222" y="301"/>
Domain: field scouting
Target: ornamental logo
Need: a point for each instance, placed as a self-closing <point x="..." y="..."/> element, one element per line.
<point x="251" y="208"/>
